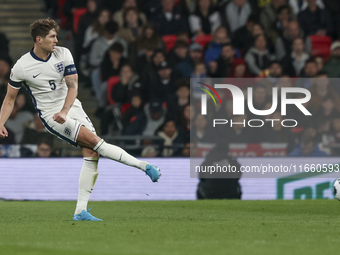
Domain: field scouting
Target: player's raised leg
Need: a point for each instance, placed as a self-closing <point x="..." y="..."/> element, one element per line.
<point x="87" y="139"/>
<point x="87" y="180"/>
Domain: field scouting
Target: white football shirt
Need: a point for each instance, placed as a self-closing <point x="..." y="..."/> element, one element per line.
<point x="44" y="79"/>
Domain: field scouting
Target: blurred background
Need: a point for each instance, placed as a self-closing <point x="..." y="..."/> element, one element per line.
<point x="135" y="60"/>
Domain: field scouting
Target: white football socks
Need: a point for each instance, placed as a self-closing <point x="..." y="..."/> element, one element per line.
<point x="118" y="154"/>
<point x="87" y="180"/>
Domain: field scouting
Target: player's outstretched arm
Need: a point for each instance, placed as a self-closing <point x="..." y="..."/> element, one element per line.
<point x="6" y="109"/>
<point x="72" y="84"/>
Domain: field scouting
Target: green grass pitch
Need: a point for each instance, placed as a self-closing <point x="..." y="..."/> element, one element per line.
<point x="176" y="227"/>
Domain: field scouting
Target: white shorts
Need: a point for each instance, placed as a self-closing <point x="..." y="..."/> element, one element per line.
<point x="69" y="130"/>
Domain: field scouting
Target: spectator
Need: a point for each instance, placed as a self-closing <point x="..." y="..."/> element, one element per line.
<point x="33" y="130"/>
<point x="97" y="28"/>
<point x="45" y="147"/>
<point x="132" y="27"/>
<point x="269" y="14"/>
<point x="128" y="86"/>
<point x="149" y="38"/>
<point x="283" y="45"/>
<point x="327" y="109"/>
<point x="103" y="43"/>
<point x="150" y="72"/>
<point x="320" y="89"/>
<point x="255" y="31"/>
<point x="284" y="16"/>
<point x="163" y="87"/>
<point x="309" y="71"/>
<point x="178" y="53"/>
<point x="294" y="63"/>
<point x="199" y="133"/>
<point x="307" y="148"/>
<point x="18" y="118"/>
<point x="168" y="19"/>
<point x="205" y="19"/>
<point x="238" y="133"/>
<point x="275" y="133"/>
<point x="333" y="6"/>
<point x="314" y="20"/>
<point x="273" y="77"/>
<point x="186" y="67"/>
<point x="186" y="116"/>
<point x="118" y="15"/>
<point x="284" y="82"/>
<point x="141" y="50"/>
<point x="236" y="14"/>
<point x="324" y="135"/>
<point x="200" y="71"/>
<point x="180" y="99"/>
<point x="148" y="121"/>
<point x="213" y="51"/>
<point x="260" y="99"/>
<point x="298" y="6"/>
<point x="189" y="150"/>
<point x="258" y="57"/>
<point x="336" y="129"/>
<point x="243" y="36"/>
<point x="131" y="114"/>
<point x="172" y="139"/>
<point x="226" y="62"/>
<point x="116" y="114"/>
<point x="304" y="121"/>
<point x="240" y="70"/>
<point x="332" y="66"/>
<point x="84" y="22"/>
<point x="319" y="63"/>
<point x="113" y="61"/>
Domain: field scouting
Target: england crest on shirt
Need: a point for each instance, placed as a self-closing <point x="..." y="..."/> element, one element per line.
<point x="59" y="68"/>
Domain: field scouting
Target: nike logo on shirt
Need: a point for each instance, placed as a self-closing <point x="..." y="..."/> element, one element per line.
<point x="34" y="76"/>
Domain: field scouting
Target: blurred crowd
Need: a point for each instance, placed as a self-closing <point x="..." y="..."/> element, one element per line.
<point x="138" y="56"/>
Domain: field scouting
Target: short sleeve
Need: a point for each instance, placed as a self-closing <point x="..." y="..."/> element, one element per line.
<point x="70" y="68"/>
<point x="16" y="77"/>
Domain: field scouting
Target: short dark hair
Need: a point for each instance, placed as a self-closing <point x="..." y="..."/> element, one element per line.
<point x="181" y="44"/>
<point x="322" y="72"/>
<point x="42" y="27"/>
<point x="227" y="44"/>
<point x="46" y="140"/>
<point x="307" y="139"/>
<point x="117" y="47"/>
<point x="283" y="7"/>
<point x="111" y="27"/>
<point x="310" y="60"/>
<point x="182" y="82"/>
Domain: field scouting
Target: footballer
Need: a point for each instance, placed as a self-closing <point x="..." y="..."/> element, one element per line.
<point x="50" y="76"/>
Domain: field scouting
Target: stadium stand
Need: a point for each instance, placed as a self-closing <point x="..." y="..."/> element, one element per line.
<point x="274" y="41"/>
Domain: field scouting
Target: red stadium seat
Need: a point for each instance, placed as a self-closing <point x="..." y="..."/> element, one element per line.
<point x="124" y="108"/>
<point x="76" y="17"/>
<point x="111" y="82"/>
<point x="203" y="40"/>
<point x="321" y="45"/>
<point x="169" y="41"/>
